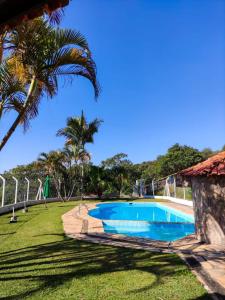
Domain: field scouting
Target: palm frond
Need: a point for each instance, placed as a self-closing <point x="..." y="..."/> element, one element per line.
<point x="12" y="92"/>
<point x="78" y="131"/>
<point x="55" y="17"/>
<point x="31" y="111"/>
<point x="65" y="37"/>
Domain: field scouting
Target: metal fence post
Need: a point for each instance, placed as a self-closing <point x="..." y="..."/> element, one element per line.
<point x="3" y="190"/>
<point x="59" y="191"/>
<point x="153" y="189"/>
<point x="38" y="197"/>
<point x="167" y="188"/>
<point x="28" y="188"/>
<point x="174" y="182"/>
<point x="16" y="190"/>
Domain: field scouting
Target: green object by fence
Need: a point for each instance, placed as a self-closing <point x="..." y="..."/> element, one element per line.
<point x="46" y="188"/>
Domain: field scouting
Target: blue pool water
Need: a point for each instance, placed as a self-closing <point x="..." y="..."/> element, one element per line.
<point x="146" y="220"/>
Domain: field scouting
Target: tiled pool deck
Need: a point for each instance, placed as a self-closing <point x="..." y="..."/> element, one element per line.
<point x="206" y="261"/>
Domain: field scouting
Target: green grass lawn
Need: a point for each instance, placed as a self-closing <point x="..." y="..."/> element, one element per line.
<point x="38" y="262"/>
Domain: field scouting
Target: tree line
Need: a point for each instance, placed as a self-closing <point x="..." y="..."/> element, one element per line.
<point x="72" y="172"/>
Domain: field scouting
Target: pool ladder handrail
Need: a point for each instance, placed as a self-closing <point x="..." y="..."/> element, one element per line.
<point x="82" y="204"/>
<point x="170" y="244"/>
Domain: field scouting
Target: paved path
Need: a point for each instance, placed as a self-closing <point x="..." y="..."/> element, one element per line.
<point x="206" y="261"/>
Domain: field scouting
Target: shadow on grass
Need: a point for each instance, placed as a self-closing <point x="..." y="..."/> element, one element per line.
<point x="8" y="233"/>
<point x="214" y="296"/>
<point x="54" y="264"/>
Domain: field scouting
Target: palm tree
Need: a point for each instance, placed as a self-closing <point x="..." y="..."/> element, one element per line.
<point x="97" y="180"/>
<point x="76" y="154"/>
<point x="53" y="164"/>
<point x="51" y="161"/>
<point x="54" y="18"/>
<point x="79" y="132"/>
<point x="39" y="55"/>
<point x="73" y="158"/>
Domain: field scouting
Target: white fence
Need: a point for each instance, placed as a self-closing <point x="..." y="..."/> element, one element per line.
<point x="176" y="200"/>
<point x="21" y="192"/>
<point x="18" y="191"/>
<point x="165" y="188"/>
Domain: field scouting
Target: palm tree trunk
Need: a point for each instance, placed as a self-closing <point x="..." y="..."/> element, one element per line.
<point x="21" y="114"/>
<point x="82" y="180"/>
<point x="57" y="187"/>
<point x="71" y="192"/>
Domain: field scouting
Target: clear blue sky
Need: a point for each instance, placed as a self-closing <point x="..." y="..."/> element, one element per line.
<point x="161" y="65"/>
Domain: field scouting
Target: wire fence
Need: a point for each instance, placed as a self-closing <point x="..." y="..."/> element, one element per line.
<point x="14" y="190"/>
<point x="164" y="187"/>
<point x="20" y="188"/>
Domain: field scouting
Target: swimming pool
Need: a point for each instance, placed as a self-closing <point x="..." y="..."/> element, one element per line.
<point x="142" y="219"/>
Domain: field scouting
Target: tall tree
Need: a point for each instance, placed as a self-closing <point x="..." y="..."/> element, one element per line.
<point x="178" y="157"/>
<point x="39" y="55"/>
<point x="51" y="162"/>
<point x="207" y="152"/>
<point x="117" y="169"/>
<point x="78" y="133"/>
<point x="73" y="158"/>
<point x="97" y="181"/>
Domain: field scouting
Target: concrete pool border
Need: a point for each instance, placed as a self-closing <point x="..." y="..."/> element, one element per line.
<point x="205" y="261"/>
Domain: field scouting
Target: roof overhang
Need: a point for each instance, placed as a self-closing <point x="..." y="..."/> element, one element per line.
<point x="13" y="12"/>
<point x="213" y="166"/>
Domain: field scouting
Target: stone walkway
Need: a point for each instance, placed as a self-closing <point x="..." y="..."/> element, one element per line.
<point x="206" y="261"/>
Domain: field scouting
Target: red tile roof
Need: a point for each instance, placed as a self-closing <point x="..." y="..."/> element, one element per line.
<point x="214" y="165"/>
